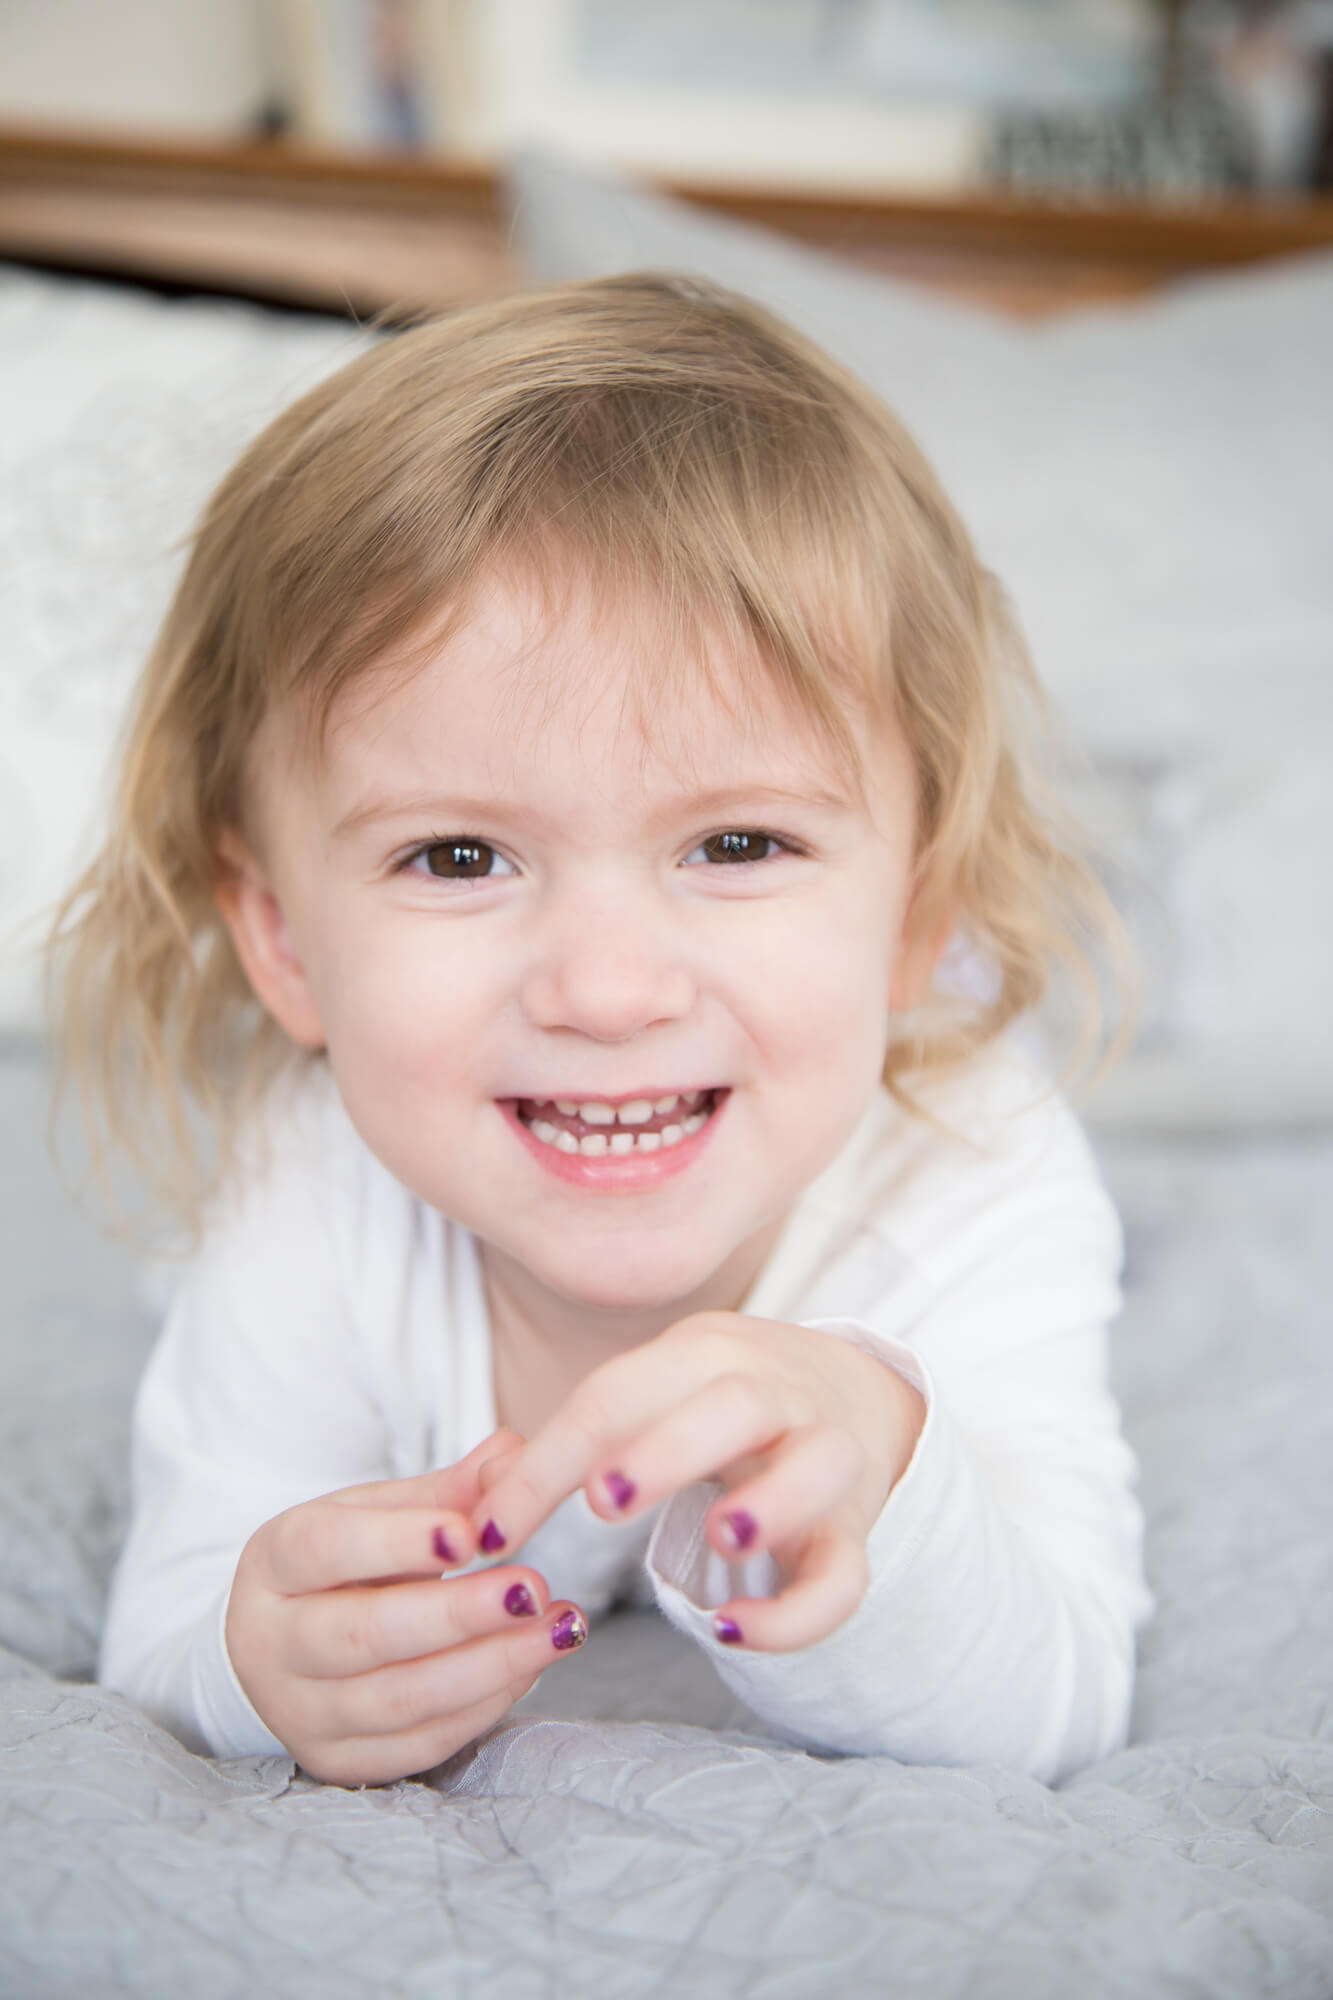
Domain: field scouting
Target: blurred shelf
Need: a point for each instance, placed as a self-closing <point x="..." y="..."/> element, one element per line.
<point x="369" y="234"/>
<point x="265" y="222"/>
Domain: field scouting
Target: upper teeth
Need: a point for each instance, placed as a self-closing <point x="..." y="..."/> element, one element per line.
<point x="637" y="1112"/>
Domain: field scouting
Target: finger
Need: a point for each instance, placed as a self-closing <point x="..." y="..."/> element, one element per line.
<point x="456" y="1486"/>
<point x="829" y="1582"/>
<point x="804" y="1476"/>
<point x="725" y="1420"/>
<point x="380" y="1760"/>
<point x="318" y="1546"/>
<point x="338" y="1632"/>
<point x="493" y="1467"/>
<point x="410" y="1694"/>
<point x="614" y="1403"/>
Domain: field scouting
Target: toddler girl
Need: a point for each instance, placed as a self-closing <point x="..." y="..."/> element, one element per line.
<point x="580" y="729"/>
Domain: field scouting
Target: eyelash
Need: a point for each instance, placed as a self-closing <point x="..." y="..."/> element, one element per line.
<point x="777" y="840"/>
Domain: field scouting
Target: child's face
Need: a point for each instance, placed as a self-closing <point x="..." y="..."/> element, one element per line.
<point x="497" y="895"/>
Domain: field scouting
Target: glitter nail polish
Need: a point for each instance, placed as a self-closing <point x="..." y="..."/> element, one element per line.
<point x="622" y="1490"/>
<point x="491" y="1539"/>
<point x="568" y="1631"/>
<point x="727" y="1630"/>
<point x="439" y="1541"/>
<point x="518" y="1601"/>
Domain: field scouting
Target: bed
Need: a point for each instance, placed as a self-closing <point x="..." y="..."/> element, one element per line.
<point x="1151" y="481"/>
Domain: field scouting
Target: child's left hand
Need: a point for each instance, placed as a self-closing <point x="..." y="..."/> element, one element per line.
<point x="807" y="1433"/>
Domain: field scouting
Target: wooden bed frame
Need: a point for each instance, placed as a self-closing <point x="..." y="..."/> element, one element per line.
<point x="381" y="236"/>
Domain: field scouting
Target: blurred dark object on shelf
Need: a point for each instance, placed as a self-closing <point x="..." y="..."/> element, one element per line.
<point x="1181" y="147"/>
<point x="273" y="121"/>
<point x="1322" y="177"/>
<point x="1243" y="102"/>
<point x="1268" y="58"/>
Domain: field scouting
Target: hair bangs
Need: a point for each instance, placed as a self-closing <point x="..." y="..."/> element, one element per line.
<point x="679" y="499"/>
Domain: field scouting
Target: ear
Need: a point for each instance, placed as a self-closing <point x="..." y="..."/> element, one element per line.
<point x="925" y="933"/>
<point x="258" y="930"/>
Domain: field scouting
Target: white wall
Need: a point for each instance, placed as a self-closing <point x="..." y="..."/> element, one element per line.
<point x="193" y="67"/>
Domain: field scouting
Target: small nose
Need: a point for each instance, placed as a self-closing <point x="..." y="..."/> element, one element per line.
<point x="607" y="973"/>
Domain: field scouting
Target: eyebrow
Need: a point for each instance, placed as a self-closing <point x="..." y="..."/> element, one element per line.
<point x="461" y="809"/>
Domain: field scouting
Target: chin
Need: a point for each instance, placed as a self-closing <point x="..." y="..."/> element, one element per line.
<point x="624" y="1288"/>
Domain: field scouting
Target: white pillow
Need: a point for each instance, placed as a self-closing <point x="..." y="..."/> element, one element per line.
<point x="1151" y="483"/>
<point x="119" y="411"/>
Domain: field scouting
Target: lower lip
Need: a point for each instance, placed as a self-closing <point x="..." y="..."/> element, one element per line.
<point x="617" y="1173"/>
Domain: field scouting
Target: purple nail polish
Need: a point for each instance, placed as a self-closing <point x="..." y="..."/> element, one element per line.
<point x="727" y="1630"/>
<point x="491" y="1539"/>
<point x="622" y="1490"/>
<point x="741" y="1527"/>
<point x="439" y="1541"/>
<point x="568" y="1631"/>
<point x="518" y="1601"/>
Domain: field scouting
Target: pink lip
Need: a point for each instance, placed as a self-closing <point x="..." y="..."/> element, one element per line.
<point x="615" y="1173"/>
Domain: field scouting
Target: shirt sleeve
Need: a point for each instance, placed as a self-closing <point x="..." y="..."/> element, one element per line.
<point x="252" y="1401"/>
<point x="1006" y="1566"/>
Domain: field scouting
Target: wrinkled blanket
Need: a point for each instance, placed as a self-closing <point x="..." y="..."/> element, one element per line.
<point x="628" y="1830"/>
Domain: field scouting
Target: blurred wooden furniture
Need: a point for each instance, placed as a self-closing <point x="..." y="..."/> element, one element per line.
<point x="387" y="236"/>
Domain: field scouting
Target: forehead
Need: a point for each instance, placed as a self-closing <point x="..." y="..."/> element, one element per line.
<point x="520" y="680"/>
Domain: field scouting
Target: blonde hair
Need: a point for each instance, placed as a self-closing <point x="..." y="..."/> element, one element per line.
<point x="670" y="438"/>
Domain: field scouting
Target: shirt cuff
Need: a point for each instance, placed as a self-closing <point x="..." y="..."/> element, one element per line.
<point x="228" y="1720"/>
<point x="967" y="1646"/>
<point x="691" y="1579"/>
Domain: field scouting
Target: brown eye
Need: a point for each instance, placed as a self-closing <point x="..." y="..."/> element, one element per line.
<point x="736" y="846"/>
<point x="459" y="860"/>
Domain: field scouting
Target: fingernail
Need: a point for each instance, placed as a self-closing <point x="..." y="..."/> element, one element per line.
<point x="439" y="1541"/>
<point x="491" y="1539"/>
<point x="568" y="1631"/>
<point x="519" y="1602"/>
<point x="741" y="1528"/>
<point x="727" y="1630"/>
<point x="622" y="1490"/>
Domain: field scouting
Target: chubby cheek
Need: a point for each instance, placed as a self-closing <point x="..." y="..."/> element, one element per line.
<point x="403" y="1026"/>
<point x="819" y="1016"/>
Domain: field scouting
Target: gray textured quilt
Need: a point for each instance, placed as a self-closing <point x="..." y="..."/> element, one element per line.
<point x="628" y="1831"/>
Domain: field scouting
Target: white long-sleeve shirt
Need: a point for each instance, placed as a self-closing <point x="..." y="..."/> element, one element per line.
<point x="333" y="1330"/>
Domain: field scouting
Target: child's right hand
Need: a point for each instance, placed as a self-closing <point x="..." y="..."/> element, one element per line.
<point x="355" y="1654"/>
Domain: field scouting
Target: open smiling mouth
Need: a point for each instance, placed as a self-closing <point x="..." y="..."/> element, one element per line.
<point x="640" y="1125"/>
